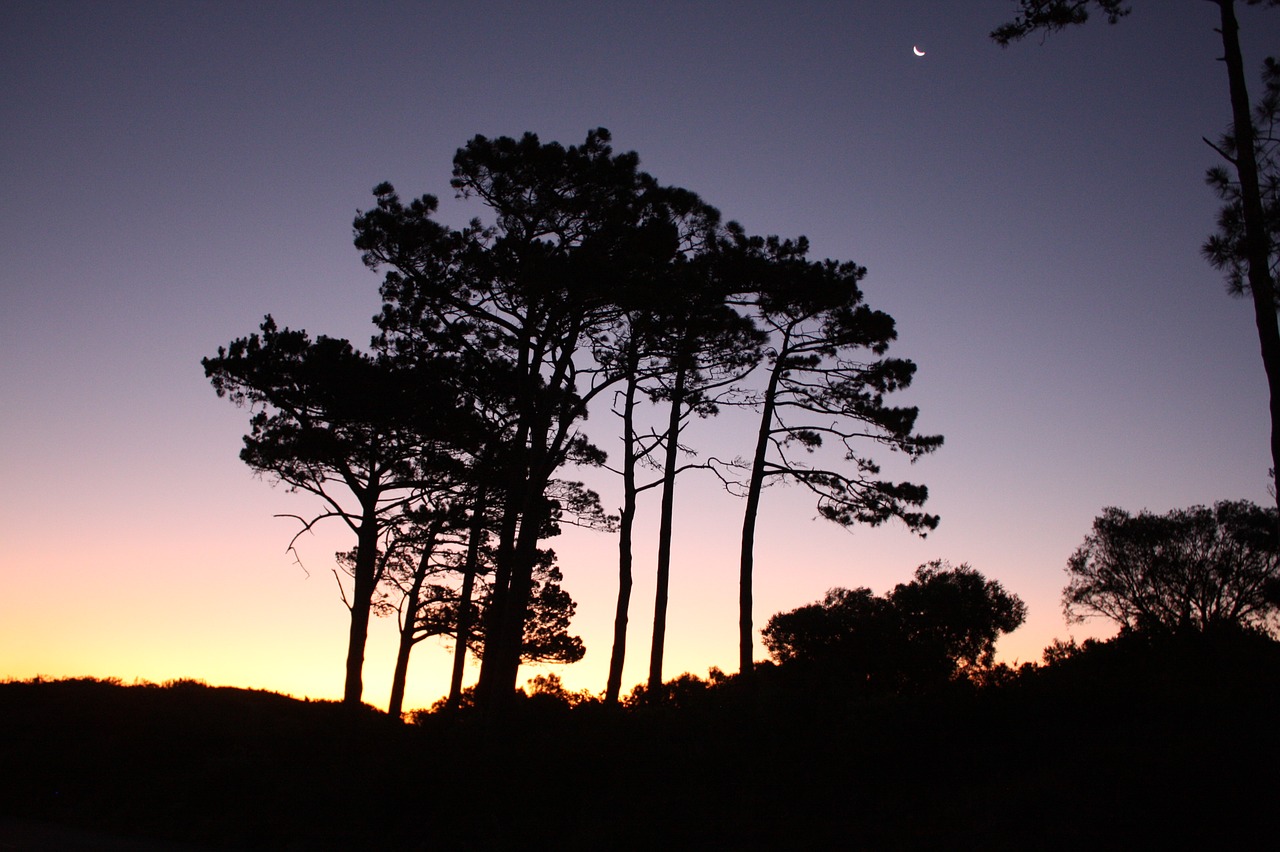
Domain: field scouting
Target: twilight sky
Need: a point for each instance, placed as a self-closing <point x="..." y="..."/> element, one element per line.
<point x="173" y="171"/>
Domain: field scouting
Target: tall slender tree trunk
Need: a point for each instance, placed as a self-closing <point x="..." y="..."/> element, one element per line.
<point x="396" y="703"/>
<point x="626" y="522"/>
<point x="470" y="569"/>
<point x="665" y="526"/>
<point x="746" y="637"/>
<point x="366" y="579"/>
<point x="1256" y="238"/>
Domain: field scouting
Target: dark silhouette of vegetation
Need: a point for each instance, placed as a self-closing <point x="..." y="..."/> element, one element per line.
<point x="1053" y="15"/>
<point x="424" y="576"/>
<point x="827" y="379"/>
<point x="1227" y="249"/>
<point x="494" y="342"/>
<point x="424" y="608"/>
<point x="1125" y="743"/>
<point x="679" y="342"/>
<point x="1245" y="245"/>
<point x="344" y="426"/>
<point x="941" y="626"/>
<point x="521" y="304"/>
<point x="1196" y="569"/>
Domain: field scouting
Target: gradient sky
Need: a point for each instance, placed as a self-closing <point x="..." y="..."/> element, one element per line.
<point x="172" y="171"/>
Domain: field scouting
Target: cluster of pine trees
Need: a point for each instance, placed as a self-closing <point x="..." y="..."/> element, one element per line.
<point x="444" y="447"/>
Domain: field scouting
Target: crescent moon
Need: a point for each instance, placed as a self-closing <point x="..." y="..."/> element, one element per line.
<point x="917" y="51"/>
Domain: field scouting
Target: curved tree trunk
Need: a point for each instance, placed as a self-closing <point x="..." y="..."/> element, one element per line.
<point x="395" y="705"/>
<point x="746" y="637"/>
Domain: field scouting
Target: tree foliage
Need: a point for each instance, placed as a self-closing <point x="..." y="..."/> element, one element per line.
<point x="325" y="414"/>
<point x="523" y="302"/>
<point x="826" y="386"/>
<point x="1225" y="249"/>
<point x="1051" y="15"/>
<point x="957" y="613"/>
<point x="1197" y="569"/>
<point x="583" y="277"/>
<point x="366" y="434"/>
<point x="942" y="624"/>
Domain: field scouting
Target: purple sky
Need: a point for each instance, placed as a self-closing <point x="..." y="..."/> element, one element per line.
<point x="1030" y="216"/>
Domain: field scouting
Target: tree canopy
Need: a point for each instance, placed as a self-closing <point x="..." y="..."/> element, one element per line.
<point x="942" y="624"/>
<point x="826" y="386"/>
<point x="580" y="244"/>
<point x="1196" y="569"/>
<point x="583" y="277"/>
<point x="366" y="434"/>
<point x="1226" y="248"/>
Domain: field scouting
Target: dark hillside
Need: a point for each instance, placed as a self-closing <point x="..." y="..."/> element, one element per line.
<point x="1125" y="743"/>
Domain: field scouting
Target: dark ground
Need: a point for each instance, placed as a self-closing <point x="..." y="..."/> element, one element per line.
<point x="1119" y="747"/>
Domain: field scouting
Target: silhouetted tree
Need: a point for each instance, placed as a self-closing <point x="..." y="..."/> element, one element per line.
<point x="634" y="449"/>
<point x="1250" y="246"/>
<point x="427" y="572"/>
<point x="710" y="348"/>
<point x="1196" y="569"/>
<point x="941" y="625"/>
<point x="545" y="634"/>
<point x="637" y="354"/>
<point x="821" y="388"/>
<point x="550" y="689"/>
<point x="425" y="608"/>
<point x="546" y="637"/>
<point x="682" y="345"/>
<point x="956" y="614"/>
<point x="1227" y="249"/>
<point x="478" y="534"/>
<point x="849" y="628"/>
<point x="342" y="425"/>
<point x="520" y="303"/>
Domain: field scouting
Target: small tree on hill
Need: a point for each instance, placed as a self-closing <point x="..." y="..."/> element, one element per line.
<point x="957" y="614"/>
<point x="942" y="625"/>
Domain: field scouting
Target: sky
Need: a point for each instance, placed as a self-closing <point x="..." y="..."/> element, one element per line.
<point x="1030" y="216"/>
